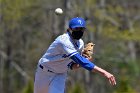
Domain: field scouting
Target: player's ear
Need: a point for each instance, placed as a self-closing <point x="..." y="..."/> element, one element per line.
<point x="69" y="28"/>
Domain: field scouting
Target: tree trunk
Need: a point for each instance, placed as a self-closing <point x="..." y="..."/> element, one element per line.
<point x="7" y="66"/>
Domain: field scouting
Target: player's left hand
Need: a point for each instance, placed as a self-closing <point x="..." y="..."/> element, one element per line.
<point x="75" y="66"/>
<point x="90" y="59"/>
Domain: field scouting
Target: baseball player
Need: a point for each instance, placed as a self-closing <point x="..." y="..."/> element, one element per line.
<point x="64" y="54"/>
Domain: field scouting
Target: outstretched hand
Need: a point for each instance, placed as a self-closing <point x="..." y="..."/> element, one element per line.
<point x="111" y="78"/>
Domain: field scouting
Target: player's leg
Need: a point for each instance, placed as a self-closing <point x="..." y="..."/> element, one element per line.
<point x="42" y="80"/>
<point x="57" y="85"/>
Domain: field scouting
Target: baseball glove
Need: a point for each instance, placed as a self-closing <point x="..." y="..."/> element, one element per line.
<point x="88" y="51"/>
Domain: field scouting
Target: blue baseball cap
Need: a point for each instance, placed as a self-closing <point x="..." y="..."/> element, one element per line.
<point x="77" y="22"/>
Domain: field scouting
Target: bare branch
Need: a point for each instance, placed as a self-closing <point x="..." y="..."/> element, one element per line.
<point x="16" y="66"/>
<point x="20" y="70"/>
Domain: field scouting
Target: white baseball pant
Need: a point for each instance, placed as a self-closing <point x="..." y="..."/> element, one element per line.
<point x="49" y="82"/>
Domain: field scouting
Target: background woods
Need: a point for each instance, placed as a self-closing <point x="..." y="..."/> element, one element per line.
<point x="27" y="27"/>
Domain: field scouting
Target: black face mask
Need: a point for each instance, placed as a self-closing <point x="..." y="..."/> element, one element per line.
<point x="77" y="34"/>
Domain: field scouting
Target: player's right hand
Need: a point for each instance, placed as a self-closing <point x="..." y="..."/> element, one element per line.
<point x="111" y="78"/>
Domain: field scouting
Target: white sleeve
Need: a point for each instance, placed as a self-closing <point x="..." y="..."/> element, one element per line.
<point x="68" y="47"/>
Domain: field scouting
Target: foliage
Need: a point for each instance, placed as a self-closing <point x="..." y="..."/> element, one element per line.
<point x="124" y="86"/>
<point x="77" y="88"/>
<point x="28" y="88"/>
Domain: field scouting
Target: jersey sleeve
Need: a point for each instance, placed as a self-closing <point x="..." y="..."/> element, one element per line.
<point x="67" y="47"/>
<point x="82" y="61"/>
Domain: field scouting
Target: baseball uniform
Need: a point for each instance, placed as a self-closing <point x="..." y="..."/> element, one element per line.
<point x="52" y="67"/>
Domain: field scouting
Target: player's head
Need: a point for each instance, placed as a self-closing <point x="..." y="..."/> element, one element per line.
<point x="77" y="22"/>
<point x="77" y="26"/>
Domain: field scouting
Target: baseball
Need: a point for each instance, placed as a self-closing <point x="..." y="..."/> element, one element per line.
<point x="58" y="11"/>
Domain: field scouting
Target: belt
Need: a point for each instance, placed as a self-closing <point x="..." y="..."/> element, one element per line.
<point x="43" y="68"/>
